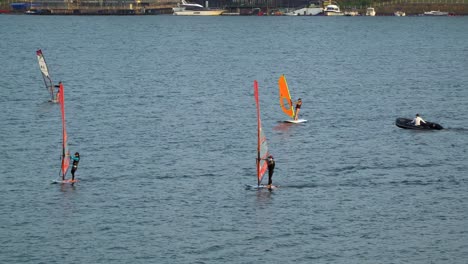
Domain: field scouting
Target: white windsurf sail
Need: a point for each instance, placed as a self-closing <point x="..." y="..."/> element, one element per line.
<point x="45" y="73"/>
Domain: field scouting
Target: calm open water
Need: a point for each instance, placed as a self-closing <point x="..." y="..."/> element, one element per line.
<point x="161" y="109"/>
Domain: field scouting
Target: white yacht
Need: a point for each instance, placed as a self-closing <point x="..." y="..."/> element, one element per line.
<point x="332" y="10"/>
<point x="435" y="13"/>
<point x="370" y="11"/>
<point x="351" y="13"/>
<point x="311" y="10"/>
<point x="190" y="9"/>
<point x="399" y="13"/>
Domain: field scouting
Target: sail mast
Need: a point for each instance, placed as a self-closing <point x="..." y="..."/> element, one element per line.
<point x="45" y="73"/>
<point x="65" y="152"/>
<point x="259" y="127"/>
<point x="262" y="147"/>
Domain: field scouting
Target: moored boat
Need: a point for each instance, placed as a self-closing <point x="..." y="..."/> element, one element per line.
<point x="310" y="10"/>
<point x="408" y="124"/>
<point x="351" y="13"/>
<point x="190" y="9"/>
<point x="332" y="10"/>
<point x="370" y="11"/>
<point x="435" y="13"/>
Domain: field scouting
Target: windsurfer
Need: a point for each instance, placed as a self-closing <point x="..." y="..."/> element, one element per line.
<point x="76" y="160"/>
<point x="271" y="167"/>
<point x="418" y="120"/>
<point x="57" y="95"/>
<point x="298" y="108"/>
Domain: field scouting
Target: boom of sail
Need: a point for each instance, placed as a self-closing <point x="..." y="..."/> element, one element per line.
<point x="262" y="147"/>
<point x="45" y="73"/>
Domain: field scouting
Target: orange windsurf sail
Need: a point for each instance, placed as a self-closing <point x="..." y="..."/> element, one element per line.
<point x="285" y="98"/>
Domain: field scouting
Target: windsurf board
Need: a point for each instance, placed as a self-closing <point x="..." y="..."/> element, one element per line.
<point x="296" y="121"/>
<point x="64" y="181"/>
<point x="261" y="186"/>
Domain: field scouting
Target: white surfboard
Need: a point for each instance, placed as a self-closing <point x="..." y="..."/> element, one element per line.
<point x="64" y="181"/>
<point x="261" y="186"/>
<point x="296" y="121"/>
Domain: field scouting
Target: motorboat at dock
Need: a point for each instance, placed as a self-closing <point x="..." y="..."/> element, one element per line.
<point x="191" y="9"/>
<point x="332" y="10"/>
<point x="370" y="11"/>
<point x="310" y="10"/>
<point x="435" y="13"/>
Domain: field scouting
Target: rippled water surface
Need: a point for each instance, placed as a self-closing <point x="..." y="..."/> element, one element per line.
<point x="161" y="110"/>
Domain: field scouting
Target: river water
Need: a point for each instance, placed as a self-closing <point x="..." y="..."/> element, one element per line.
<point x="161" y="109"/>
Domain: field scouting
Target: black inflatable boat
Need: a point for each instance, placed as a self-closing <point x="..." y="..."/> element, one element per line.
<point x="406" y="123"/>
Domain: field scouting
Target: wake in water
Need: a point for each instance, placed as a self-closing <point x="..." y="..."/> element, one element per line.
<point x="457" y="129"/>
<point x="301" y="186"/>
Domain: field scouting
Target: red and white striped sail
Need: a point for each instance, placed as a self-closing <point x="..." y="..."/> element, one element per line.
<point x="45" y="73"/>
<point x="262" y="147"/>
<point x="65" y="151"/>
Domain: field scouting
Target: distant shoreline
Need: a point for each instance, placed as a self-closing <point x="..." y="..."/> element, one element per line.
<point x="382" y="9"/>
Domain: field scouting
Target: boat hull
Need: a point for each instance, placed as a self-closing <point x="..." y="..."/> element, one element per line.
<point x="406" y="124"/>
<point x="333" y="13"/>
<point x="307" y="11"/>
<point x="399" y="13"/>
<point x="435" y="13"/>
<point x="198" y="13"/>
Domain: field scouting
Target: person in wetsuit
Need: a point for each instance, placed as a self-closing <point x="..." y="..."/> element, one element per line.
<point x="76" y="160"/>
<point x="271" y="167"/>
<point x="57" y="95"/>
<point x="298" y="107"/>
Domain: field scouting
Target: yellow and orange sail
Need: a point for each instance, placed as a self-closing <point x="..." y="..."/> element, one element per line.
<point x="285" y="98"/>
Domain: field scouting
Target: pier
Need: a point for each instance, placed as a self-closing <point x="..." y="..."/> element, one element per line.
<point x="92" y="7"/>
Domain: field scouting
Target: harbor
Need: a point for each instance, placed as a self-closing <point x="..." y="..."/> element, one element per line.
<point x="257" y="8"/>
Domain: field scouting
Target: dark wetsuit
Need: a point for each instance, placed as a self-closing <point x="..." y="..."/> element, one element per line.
<point x="57" y="95"/>
<point x="298" y="105"/>
<point x="271" y="168"/>
<point x="76" y="160"/>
